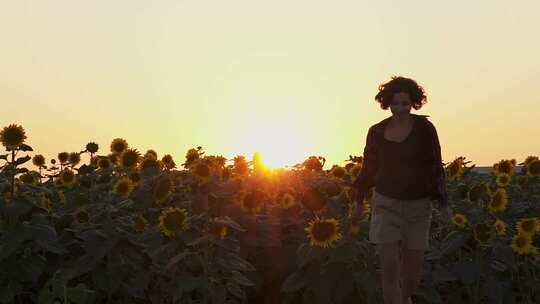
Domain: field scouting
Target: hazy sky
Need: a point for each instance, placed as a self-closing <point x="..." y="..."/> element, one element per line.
<point x="287" y="78"/>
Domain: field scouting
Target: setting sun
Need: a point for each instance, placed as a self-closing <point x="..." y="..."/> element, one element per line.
<point x="279" y="144"/>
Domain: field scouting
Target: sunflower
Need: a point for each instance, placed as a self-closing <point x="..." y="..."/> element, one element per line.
<point x="252" y="202"/>
<point x="482" y="232"/>
<point x="500" y="227"/>
<point x="150" y="153"/>
<point x="523" y="180"/>
<point x="499" y="200"/>
<point x="172" y="220"/>
<point x="123" y="187"/>
<point x="113" y="157"/>
<point x="74" y="158"/>
<point x="163" y="189"/>
<point x="150" y="163"/>
<point x="61" y="197"/>
<point x="63" y="157"/>
<point x="104" y="163"/>
<point x="130" y="158"/>
<point x="67" y="177"/>
<point x="313" y="163"/>
<point x="45" y="202"/>
<point x="331" y="187"/>
<point x="92" y="147"/>
<point x="338" y="171"/>
<point x="533" y="168"/>
<point x="476" y="192"/>
<point x="355" y="170"/>
<point x="202" y="171"/>
<point x="168" y="161"/>
<point x="30" y="177"/>
<point x="459" y="220"/>
<point x="503" y="179"/>
<point x="240" y="166"/>
<point x="455" y="169"/>
<point x="82" y="216"/>
<point x="323" y="232"/>
<point x="38" y="160"/>
<point x="354" y="228"/>
<point x="218" y="228"/>
<point x="191" y="155"/>
<point x="140" y="223"/>
<point x="313" y="200"/>
<point x="119" y="145"/>
<point x="522" y="244"/>
<point x="505" y="166"/>
<point x="12" y="136"/>
<point x="287" y="201"/>
<point x="528" y="226"/>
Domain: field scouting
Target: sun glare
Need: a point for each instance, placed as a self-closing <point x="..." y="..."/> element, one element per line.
<point x="278" y="145"/>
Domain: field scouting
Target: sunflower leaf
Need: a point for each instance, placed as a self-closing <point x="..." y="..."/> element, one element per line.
<point x="294" y="282"/>
<point x="239" y="278"/>
<point x="177" y="258"/>
<point x="25" y="148"/>
<point x="22" y="160"/>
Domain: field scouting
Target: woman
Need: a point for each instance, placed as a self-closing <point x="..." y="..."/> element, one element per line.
<point x="402" y="160"/>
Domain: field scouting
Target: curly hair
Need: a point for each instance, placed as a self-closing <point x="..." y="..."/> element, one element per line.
<point x="400" y="84"/>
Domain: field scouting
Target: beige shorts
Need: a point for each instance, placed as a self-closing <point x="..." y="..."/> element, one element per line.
<point x="406" y="220"/>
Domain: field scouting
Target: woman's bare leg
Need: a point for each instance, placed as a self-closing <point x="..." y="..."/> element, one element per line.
<point x="411" y="272"/>
<point x="391" y="274"/>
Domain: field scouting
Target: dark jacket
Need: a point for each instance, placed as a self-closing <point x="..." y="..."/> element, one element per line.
<point x="367" y="176"/>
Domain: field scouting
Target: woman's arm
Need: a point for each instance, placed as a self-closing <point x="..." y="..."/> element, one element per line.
<point x="366" y="177"/>
<point x="438" y="189"/>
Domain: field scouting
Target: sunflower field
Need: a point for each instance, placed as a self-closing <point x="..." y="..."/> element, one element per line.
<point x="128" y="227"/>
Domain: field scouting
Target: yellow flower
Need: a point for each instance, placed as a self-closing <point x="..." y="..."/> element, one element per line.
<point x="499" y="200"/>
<point x="202" y="172"/>
<point x="172" y="220"/>
<point x="152" y="154"/>
<point x="323" y="232"/>
<point x="355" y="170"/>
<point x="38" y="160"/>
<point x="163" y="189"/>
<point x="522" y="244"/>
<point x="455" y="168"/>
<point x="168" y="161"/>
<point x="130" y="158"/>
<point x="459" y="220"/>
<point x="500" y="227"/>
<point x="30" y="177"/>
<point x="287" y="201"/>
<point x="123" y="187"/>
<point x="67" y="177"/>
<point x="191" y="155"/>
<point x="61" y="197"/>
<point x="119" y="145"/>
<point x="533" y="168"/>
<point x="104" y="163"/>
<point x="482" y="232"/>
<point x="74" y="158"/>
<point x="354" y="228"/>
<point x="218" y="228"/>
<point x="252" y="202"/>
<point x="338" y="171"/>
<point x="528" y="226"/>
<point x="140" y="223"/>
<point x="313" y="200"/>
<point x="150" y="163"/>
<point x="45" y="201"/>
<point x="528" y="160"/>
<point x="12" y="136"/>
<point x="507" y="166"/>
<point x="63" y="157"/>
<point x="503" y="179"/>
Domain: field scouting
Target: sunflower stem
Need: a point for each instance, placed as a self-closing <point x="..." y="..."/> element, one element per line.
<point x="12" y="174"/>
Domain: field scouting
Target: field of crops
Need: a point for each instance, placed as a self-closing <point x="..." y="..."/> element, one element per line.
<point x="132" y="227"/>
